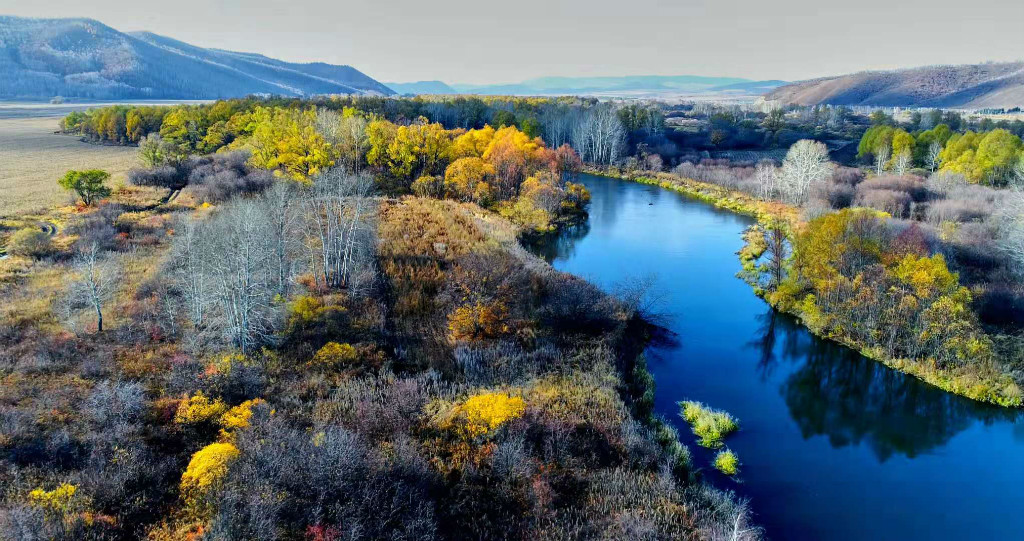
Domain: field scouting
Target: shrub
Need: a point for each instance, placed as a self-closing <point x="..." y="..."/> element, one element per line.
<point x="237" y="417"/>
<point x="478" y="321"/>
<point x="429" y="186"/>
<point x="483" y="413"/>
<point x="58" y="499"/>
<point x="896" y="203"/>
<point x="29" y="243"/>
<point x="334" y="354"/>
<point x="727" y="462"/>
<point x="199" y="409"/>
<point x="161" y="177"/>
<point x="711" y="426"/>
<point x="207" y="469"/>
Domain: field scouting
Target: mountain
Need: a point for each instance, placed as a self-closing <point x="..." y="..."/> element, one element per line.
<point x="972" y="86"/>
<point x="83" y="58"/>
<point x="422" y="87"/>
<point x="652" y="85"/>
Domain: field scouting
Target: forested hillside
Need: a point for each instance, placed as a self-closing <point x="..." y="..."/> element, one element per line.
<point x="82" y="58"/>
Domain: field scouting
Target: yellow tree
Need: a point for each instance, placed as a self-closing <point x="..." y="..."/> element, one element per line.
<point x="468" y="179"/>
<point x="286" y="140"/>
<point x="473" y="144"/>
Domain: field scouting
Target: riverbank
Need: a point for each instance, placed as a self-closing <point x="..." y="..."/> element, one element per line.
<point x="987" y="385"/>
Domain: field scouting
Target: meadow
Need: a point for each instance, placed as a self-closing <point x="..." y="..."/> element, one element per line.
<point x="33" y="157"/>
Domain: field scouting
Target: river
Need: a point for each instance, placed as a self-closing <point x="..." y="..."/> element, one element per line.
<point x="832" y="445"/>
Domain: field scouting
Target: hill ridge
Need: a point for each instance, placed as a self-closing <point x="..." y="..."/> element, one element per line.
<point x="84" y="58"/>
<point x="993" y="84"/>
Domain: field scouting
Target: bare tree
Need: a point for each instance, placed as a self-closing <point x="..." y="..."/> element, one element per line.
<point x="557" y="121"/>
<point x="599" y="135"/>
<point x="806" y="164"/>
<point x="338" y="209"/>
<point x="932" y="158"/>
<point x="282" y="208"/>
<point x="1016" y="176"/>
<point x="767" y="179"/>
<point x="240" y="271"/>
<point x="190" y="269"/>
<point x="882" y="154"/>
<point x="777" y="251"/>
<point x="96" y="283"/>
<point x="1010" y="219"/>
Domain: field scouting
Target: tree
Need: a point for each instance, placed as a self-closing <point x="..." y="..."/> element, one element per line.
<point x="1010" y="219"/>
<point x="875" y="139"/>
<point x="880" y="118"/>
<point x="806" y="164"/>
<point x="932" y="158"/>
<point x="882" y="158"/>
<point x="773" y="123"/>
<point x="777" y="249"/>
<point x="88" y="185"/>
<point x="902" y="143"/>
<point x="339" y="232"/>
<point x="96" y="283"/>
<point x="902" y="162"/>
<point x="599" y="136"/>
<point x="767" y="179"/>
<point x="287" y="140"/>
<point x="239" y="270"/>
<point x="998" y="152"/>
<point x="469" y="179"/>
<point x="154" y="151"/>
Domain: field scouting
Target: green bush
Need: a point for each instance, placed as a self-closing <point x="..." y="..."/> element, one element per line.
<point x="29" y="243"/>
<point x="711" y="426"/>
<point x="727" y="462"/>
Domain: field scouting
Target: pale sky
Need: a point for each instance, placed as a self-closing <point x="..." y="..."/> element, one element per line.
<point x="500" y="41"/>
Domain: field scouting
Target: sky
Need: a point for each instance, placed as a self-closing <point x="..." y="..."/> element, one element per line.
<point x="489" y="41"/>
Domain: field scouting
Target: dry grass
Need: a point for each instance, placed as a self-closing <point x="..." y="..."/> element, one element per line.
<point x="32" y="158"/>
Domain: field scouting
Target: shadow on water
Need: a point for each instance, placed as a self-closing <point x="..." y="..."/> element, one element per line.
<point x="559" y="245"/>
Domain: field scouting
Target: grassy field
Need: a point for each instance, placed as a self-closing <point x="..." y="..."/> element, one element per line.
<point x="32" y="158"/>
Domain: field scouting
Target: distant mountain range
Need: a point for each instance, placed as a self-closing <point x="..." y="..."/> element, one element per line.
<point x="644" y="85"/>
<point x="422" y="87"/>
<point x="83" y="58"/>
<point x="970" y="86"/>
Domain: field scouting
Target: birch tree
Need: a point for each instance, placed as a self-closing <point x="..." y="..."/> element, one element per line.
<point x="239" y="265"/>
<point x="96" y="282"/>
<point x="599" y="135"/>
<point x="767" y="177"/>
<point x="1010" y="219"/>
<point x="337" y="210"/>
<point x="282" y="209"/>
<point x="882" y="154"/>
<point x="932" y="157"/>
<point x="806" y="164"/>
<point x="189" y="269"/>
<point x="901" y="163"/>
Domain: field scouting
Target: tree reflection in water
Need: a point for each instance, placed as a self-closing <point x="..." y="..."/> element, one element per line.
<point x="560" y="245"/>
<point x="851" y="399"/>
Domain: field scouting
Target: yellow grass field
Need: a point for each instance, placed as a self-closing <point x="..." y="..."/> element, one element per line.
<point x="32" y="158"/>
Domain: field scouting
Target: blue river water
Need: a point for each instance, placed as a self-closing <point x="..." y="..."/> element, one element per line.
<point x="832" y="445"/>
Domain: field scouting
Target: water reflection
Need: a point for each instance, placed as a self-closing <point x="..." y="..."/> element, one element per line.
<point x="561" y="245"/>
<point x="837" y="393"/>
<point x="952" y="466"/>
